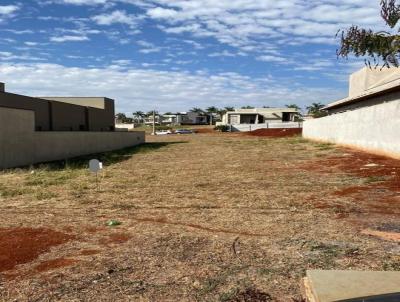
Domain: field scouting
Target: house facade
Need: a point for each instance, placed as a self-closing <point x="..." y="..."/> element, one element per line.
<point x="368" y="118"/>
<point x="64" y="114"/>
<point x="182" y="118"/>
<point x="34" y="130"/>
<point x="258" y="118"/>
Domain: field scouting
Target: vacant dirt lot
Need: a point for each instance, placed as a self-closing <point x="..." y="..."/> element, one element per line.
<point x="205" y="217"/>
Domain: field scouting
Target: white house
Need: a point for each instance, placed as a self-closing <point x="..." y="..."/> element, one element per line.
<point x="257" y="118"/>
<point x="181" y="118"/>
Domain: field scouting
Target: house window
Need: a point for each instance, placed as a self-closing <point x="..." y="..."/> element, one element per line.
<point x="285" y="117"/>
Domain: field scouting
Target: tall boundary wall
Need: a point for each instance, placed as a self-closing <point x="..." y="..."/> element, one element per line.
<point x="373" y="129"/>
<point x="20" y="145"/>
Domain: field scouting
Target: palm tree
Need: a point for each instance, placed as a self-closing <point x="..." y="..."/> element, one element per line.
<point x="120" y="117"/>
<point x="150" y="113"/>
<point x="139" y="115"/>
<point x="294" y="106"/>
<point x="221" y="112"/>
<point x="197" y="110"/>
<point x="212" y="109"/>
<point x="315" y="109"/>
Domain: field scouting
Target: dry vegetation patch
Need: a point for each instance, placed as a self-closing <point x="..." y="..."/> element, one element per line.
<point x="204" y="217"/>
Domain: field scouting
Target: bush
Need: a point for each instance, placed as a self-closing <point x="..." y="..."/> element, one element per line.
<point x="222" y="128"/>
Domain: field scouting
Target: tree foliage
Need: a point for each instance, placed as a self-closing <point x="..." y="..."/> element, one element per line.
<point x="294" y="106"/>
<point x="381" y="47"/>
<point x="122" y="118"/>
<point x="316" y="110"/>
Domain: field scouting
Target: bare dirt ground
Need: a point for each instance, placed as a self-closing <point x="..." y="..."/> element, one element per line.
<point x="204" y="217"/>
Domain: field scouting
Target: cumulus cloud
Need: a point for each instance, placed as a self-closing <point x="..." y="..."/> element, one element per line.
<point x="84" y="2"/>
<point x="269" y="58"/>
<point x="144" y="89"/>
<point x="118" y="16"/>
<point x="241" y="23"/>
<point x="67" y="38"/>
<point x="7" y="11"/>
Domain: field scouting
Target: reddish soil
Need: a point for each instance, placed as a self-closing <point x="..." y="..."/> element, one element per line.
<point x="94" y="230"/>
<point x="274" y="132"/>
<point x="116" y="238"/>
<point x="54" y="264"/>
<point x="89" y="252"/>
<point x="204" y="130"/>
<point x="381" y="190"/>
<point x="22" y="245"/>
<point x="383" y="235"/>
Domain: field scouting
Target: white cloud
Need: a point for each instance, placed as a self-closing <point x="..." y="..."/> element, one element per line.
<point x="8" y="9"/>
<point x="161" y="13"/>
<point x="274" y="59"/>
<point x="242" y="23"/>
<point x="29" y="43"/>
<point x="225" y="53"/>
<point x="84" y="2"/>
<point x="148" y="47"/>
<point x="68" y="38"/>
<point x="133" y="89"/>
<point x="118" y="16"/>
<point x="8" y="56"/>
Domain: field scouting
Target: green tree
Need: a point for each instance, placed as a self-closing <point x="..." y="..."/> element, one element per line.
<point x="150" y="113"/>
<point x="315" y="110"/>
<point x="139" y="115"/>
<point x="120" y="116"/>
<point x="197" y="110"/>
<point x="382" y="47"/>
<point x="294" y="106"/>
<point x="212" y="109"/>
<point x="247" y="107"/>
<point x="229" y="109"/>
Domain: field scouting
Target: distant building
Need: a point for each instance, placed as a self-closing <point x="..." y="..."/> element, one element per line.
<point x="34" y="130"/>
<point x="64" y="113"/>
<point x="260" y="118"/>
<point x="181" y="118"/>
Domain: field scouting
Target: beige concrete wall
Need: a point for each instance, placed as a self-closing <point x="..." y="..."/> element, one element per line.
<point x="374" y="129"/>
<point x="367" y="78"/>
<point x="20" y="145"/>
<point x="95" y="102"/>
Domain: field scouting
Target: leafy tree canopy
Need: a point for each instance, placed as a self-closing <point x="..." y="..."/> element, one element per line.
<point x="315" y="110"/>
<point x="381" y="47"/>
<point x="196" y="110"/>
<point x="294" y="106"/>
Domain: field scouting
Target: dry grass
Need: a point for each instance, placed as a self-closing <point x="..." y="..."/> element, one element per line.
<point x="204" y="218"/>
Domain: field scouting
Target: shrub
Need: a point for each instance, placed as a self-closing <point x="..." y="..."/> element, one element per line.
<point x="222" y="128"/>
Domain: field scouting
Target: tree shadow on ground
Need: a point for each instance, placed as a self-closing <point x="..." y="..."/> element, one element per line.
<point x="107" y="158"/>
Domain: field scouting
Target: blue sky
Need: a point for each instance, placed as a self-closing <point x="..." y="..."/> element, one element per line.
<point x="173" y="55"/>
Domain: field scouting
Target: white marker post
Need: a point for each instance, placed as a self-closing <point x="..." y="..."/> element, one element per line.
<point x="95" y="166"/>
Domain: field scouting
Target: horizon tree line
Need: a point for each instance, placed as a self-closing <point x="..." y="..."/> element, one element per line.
<point x="315" y="110"/>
